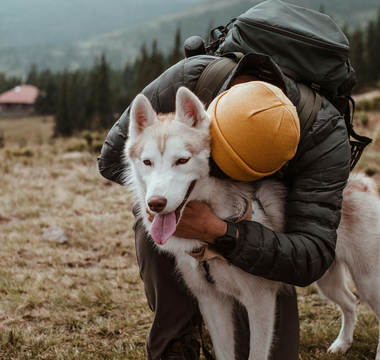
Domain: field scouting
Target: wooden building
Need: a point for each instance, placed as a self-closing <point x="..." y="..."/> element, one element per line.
<point x="19" y="100"/>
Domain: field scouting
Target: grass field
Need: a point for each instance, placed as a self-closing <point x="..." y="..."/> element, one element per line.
<point x="84" y="299"/>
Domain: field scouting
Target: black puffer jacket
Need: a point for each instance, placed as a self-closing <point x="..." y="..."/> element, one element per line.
<point x="318" y="174"/>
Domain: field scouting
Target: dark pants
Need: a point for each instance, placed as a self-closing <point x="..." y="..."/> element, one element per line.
<point x="175" y="309"/>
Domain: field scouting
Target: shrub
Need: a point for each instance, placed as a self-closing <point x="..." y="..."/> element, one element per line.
<point x="369" y="105"/>
<point x="362" y="118"/>
<point x="94" y="140"/>
<point x="18" y="153"/>
<point x="76" y="144"/>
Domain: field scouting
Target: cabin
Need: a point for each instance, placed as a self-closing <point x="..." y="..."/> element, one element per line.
<point x="19" y="100"/>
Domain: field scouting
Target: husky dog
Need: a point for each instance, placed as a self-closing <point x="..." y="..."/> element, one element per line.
<point x="168" y="157"/>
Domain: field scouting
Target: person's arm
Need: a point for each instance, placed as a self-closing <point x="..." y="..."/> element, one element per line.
<point x="303" y="253"/>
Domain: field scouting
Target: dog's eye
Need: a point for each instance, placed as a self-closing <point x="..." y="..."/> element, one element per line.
<point x="147" y="162"/>
<point x="182" y="161"/>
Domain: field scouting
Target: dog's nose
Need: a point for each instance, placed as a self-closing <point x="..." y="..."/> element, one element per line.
<point x="157" y="203"/>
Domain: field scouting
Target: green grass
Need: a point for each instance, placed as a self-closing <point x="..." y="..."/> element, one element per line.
<point x="84" y="299"/>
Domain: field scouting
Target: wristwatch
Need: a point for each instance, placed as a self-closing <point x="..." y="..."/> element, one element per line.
<point x="226" y="243"/>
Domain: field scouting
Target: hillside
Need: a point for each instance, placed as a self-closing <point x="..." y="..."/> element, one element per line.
<point x="41" y="22"/>
<point x="124" y="43"/>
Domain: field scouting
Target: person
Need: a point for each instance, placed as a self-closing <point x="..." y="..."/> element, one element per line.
<point x="317" y="175"/>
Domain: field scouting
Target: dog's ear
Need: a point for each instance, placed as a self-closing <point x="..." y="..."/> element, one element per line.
<point x="190" y="110"/>
<point x="142" y="115"/>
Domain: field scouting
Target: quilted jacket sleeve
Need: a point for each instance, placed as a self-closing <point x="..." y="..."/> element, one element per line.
<point x="306" y="249"/>
<point x="161" y="93"/>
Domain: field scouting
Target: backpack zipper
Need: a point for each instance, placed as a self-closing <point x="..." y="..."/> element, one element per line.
<point x="293" y="35"/>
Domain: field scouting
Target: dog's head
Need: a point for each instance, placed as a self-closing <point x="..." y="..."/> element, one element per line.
<point x="168" y="153"/>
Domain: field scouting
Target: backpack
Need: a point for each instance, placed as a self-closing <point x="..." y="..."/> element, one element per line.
<point x="307" y="46"/>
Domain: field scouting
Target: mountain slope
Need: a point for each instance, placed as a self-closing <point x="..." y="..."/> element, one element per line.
<point x="124" y="44"/>
<point x="26" y="22"/>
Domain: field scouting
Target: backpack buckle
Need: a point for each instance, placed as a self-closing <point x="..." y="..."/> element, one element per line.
<point x="316" y="87"/>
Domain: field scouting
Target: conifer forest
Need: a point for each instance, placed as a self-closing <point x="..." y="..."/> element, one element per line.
<point x="93" y="99"/>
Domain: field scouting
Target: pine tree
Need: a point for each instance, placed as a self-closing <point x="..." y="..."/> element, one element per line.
<point x="156" y="62"/>
<point x="67" y="116"/>
<point x="7" y="83"/>
<point x="83" y="87"/>
<point x="372" y="52"/>
<point x="99" y="107"/>
<point x="358" y="58"/>
<point x="51" y="91"/>
<point x="3" y="83"/>
<point x="47" y="100"/>
<point x="63" y="124"/>
<point x="376" y="49"/>
<point x="33" y="78"/>
<point x="371" y="56"/>
<point x="142" y="65"/>
<point x="128" y="77"/>
<point x="104" y="99"/>
<point x="177" y="51"/>
<point x="72" y="101"/>
<point x="126" y="91"/>
<point x="149" y="67"/>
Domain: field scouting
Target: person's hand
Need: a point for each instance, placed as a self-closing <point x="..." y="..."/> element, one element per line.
<point x="198" y="222"/>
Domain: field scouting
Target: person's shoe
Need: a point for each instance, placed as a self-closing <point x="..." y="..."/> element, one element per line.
<point x="184" y="348"/>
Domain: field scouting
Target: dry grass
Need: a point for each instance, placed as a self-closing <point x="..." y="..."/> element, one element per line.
<point x="84" y="299"/>
<point x="26" y="131"/>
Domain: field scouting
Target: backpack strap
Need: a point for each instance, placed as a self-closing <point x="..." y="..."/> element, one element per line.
<point x="360" y="142"/>
<point x="214" y="75"/>
<point x="217" y="72"/>
<point x="309" y="104"/>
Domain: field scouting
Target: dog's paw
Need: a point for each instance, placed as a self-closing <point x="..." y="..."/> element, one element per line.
<point x="339" y="346"/>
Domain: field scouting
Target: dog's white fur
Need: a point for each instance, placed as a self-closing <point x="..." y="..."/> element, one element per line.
<point x="163" y="140"/>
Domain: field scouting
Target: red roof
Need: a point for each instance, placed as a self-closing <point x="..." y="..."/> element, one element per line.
<point x="23" y="94"/>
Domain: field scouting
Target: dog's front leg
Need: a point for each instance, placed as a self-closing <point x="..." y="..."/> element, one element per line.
<point x="216" y="309"/>
<point x="261" y="309"/>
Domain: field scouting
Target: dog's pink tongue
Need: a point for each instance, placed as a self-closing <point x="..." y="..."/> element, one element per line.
<point x="163" y="227"/>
